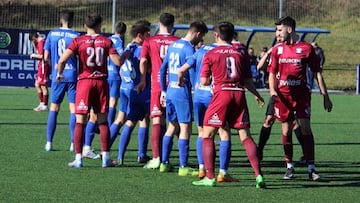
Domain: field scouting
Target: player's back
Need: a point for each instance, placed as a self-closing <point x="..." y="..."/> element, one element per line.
<point x="56" y="43"/>
<point x="130" y="71"/>
<point x="93" y="51"/>
<point x="113" y="70"/>
<point x="155" y="49"/>
<point x="227" y="68"/>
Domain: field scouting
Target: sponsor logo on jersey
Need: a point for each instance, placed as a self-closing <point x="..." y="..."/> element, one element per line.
<point x="280" y="50"/>
<point x="215" y="119"/>
<point x="289" y="82"/>
<point x="156" y="111"/>
<point x="82" y="106"/>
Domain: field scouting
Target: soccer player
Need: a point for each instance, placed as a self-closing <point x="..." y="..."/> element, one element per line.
<point x="56" y="43"/>
<point x="289" y="63"/>
<point x="228" y="68"/>
<point x="114" y="87"/>
<point x="138" y="103"/>
<point x="153" y="52"/>
<point x="42" y="73"/>
<point x="202" y="98"/>
<point x="178" y="96"/>
<point x="265" y="130"/>
<point x="92" y="89"/>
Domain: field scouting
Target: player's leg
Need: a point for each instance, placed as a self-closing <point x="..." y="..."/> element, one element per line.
<point x="209" y="157"/>
<point x="39" y="95"/>
<point x="57" y="96"/>
<point x="309" y="148"/>
<point x="224" y="156"/>
<point x="71" y="93"/>
<point x="45" y="93"/>
<point x="199" y="112"/>
<point x="143" y="140"/>
<point x="251" y="152"/>
<point x="114" y="86"/>
<point x="167" y="144"/>
<point x="78" y="140"/>
<point x="286" y="128"/>
<point x="124" y="140"/>
<point x="266" y="127"/>
<point x="121" y="117"/>
<point x="157" y="115"/>
<point x="90" y="128"/>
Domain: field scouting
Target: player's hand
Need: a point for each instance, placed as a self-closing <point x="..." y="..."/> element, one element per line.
<point x="260" y="101"/>
<point x="327" y="103"/>
<point x="141" y="87"/>
<point x="163" y="99"/>
<point x="32" y="56"/>
<point x="180" y="78"/>
<point x="59" y="77"/>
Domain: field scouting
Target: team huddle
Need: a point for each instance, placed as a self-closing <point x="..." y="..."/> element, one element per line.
<point x="173" y="81"/>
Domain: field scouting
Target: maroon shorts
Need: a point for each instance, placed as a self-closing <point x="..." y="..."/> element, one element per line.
<point x="289" y="107"/>
<point x="156" y="110"/>
<point x="42" y="74"/>
<point x="92" y="93"/>
<point x="228" y="107"/>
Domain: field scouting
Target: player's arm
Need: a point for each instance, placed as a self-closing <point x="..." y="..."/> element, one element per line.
<point x="263" y="59"/>
<point x="163" y="70"/>
<point x="249" y="84"/>
<point x="143" y="66"/>
<point x="62" y="62"/>
<point x="323" y="90"/>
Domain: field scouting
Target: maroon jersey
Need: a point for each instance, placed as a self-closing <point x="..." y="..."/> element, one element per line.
<point x="43" y="68"/>
<point x="290" y="64"/>
<point x="155" y="49"/>
<point x="93" y="51"/>
<point x="229" y="71"/>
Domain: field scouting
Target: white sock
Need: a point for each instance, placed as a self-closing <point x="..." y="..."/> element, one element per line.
<point x="201" y="166"/>
<point x="223" y="171"/>
<point x="86" y="148"/>
<point x="289" y="165"/>
<point x="105" y="155"/>
<point x="78" y="157"/>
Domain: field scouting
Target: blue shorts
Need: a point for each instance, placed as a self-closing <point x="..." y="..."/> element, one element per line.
<point x="114" y="88"/>
<point x="58" y="92"/>
<point x="199" y="112"/>
<point x="124" y="100"/>
<point x="138" y="107"/>
<point x="178" y="111"/>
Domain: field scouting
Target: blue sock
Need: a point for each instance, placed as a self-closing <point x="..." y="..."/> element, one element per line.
<point x="114" y="130"/>
<point x="143" y="139"/>
<point x="225" y="147"/>
<point x="166" y="148"/>
<point x="111" y="115"/>
<point x="124" y="141"/>
<point x="89" y="133"/>
<point x="199" y="153"/>
<point x="51" y="125"/>
<point x="183" y="145"/>
<point x="72" y="123"/>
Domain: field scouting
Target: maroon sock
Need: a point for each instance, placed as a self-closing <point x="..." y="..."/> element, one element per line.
<point x="45" y="99"/>
<point x="104" y="137"/>
<point x="209" y="156"/>
<point x="40" y="96"/>
<point x="288" y="148"/>
<point x="251" y="152"/>
<point x="156" y="140"/>
<point x="78" y="138"/>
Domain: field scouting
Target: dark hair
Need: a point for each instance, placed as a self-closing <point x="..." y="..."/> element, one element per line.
<point x="120" y="28"/>
<point x="93" y="20"/>
<point x="288" y="21"/>
<point x="199" y="26"/>
<point x="143" y="22"/>
<point x="33" y="34"/>
<point x="167" y="19"/>
<point x="68" y="16"/>
<point x="225" y="31"/>
<point x="139" y="28"/>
